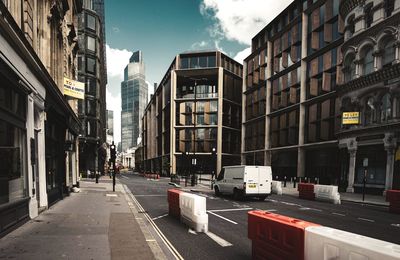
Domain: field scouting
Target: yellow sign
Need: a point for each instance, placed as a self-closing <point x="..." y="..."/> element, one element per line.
<point x="74" y="88"/>
<point x="351" y="118"/>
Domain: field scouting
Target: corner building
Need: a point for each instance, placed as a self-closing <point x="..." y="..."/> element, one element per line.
<point x="371" y="69"/>
<point x="290" y="109"/>
<point x="195" y="109"/>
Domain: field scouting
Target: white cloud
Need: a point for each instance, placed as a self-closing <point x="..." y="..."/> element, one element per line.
<point x="241" y="55"/>
<point x="200" y="45"/>
<point x="240" y="20"/>
<point x="116" y="61"/>
<point x="114" y="104"/>
<point x="115" y="29"/>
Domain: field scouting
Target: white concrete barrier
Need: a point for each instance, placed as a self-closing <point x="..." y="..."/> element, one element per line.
<point x="276" y="187"/>
<point x="327" y="193"/>
<point x="328" y="243"/>
<point x="193" y="211"/>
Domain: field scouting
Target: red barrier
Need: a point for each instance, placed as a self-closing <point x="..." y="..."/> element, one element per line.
<point x="393" y="197"/>
<point x="306" y="191"/>
<point x="173" y="203"/>
<point x="275" y="236"/>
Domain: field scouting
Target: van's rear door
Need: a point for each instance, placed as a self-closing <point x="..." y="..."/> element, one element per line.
<point x="251" y="179"/>
<point x="265" y="179"/>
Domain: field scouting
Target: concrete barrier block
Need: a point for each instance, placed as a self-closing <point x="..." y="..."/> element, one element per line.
<point x="193" y="211"/>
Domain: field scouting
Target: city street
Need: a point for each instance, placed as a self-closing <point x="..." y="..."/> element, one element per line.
<point x="228" y="219"/>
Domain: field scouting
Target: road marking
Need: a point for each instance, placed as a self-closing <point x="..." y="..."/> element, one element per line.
<point x="111" y="195"/>
<point x="396" y="225"/>
<point x="289" y="204"/>
<point x="231" y="221"/>
<point x="191" y="231"/>
<point x="220" y="241"/>
<point x="124" y="177"/>
<point x="274" y="201"/>
<point x="150" y="240"/>
<point x="365" y="219"/>
<point x="305" y="208"/>
<point x="160" y="217"/>
<point x="339" y="214"/>
<point x="150" y="195"/>
<point x="270" y="210"/>
<point x="168" y="244"/>
<point x="223" y="210"/>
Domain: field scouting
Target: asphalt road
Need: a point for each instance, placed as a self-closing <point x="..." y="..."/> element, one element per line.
<point x="228" y="219"/>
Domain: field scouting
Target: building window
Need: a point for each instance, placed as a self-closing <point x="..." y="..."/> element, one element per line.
<point x="91" y="43"/>
<point x="389" y="7"/>
<point x="368" y="62"/>
<point x="91" y="86"/>
<point x="369" y="16"/>
<point x="370" y="111"/>
<point x="87" y="4"/>
<point x="90" y="65"/>
<point x="386" y="108"/>
<point x="184" y="63"/>
<point x="351" y="25"/>
<point x="90" y="22"/>
<point x="349" y="68"/>
<point x="389" y="53"/>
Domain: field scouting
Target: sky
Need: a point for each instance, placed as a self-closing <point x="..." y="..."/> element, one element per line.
<point x="161" y="29"/>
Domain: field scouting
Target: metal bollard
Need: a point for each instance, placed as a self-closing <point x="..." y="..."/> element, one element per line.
<point x="284" y="181"/>
<point x="294" y="182"/>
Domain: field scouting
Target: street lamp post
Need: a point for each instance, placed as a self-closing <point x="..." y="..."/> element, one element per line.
<point x="213" y="166"/>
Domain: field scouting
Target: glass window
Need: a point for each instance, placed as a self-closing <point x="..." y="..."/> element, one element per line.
<point x="211" y="61"/>
<point x="12" y="153"/>
<point x="386" y="108"/>
<point x="350" y="68"/>
<point x="368" y="64"/>
<point x="90" y="22"/>
<point x="90" y="65"/>
<point x="200" y="120"/>
<point x="370" y="111"/>
<point x="213" y="106"/>
<point x="389" y="53"/>
<point x="90" y="43"/>
<point x="91" y="86"/>
<point x="213" y="119"/>
<point x="203" y="62"/>
<point x="194" y="62"/>
<point x="184" y="63"/>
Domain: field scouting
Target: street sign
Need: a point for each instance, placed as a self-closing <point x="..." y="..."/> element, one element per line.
<point x="351" y="118"/>
<point x="194" y="161"/>
<point x="74" y="88"/>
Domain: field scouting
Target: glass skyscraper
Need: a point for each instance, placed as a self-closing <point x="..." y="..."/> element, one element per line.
<point x="134" y="100"/>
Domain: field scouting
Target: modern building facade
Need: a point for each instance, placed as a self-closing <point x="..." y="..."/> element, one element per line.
<point x="192" y="123"/>
<point x="371" y="94"/>
<point x="290" y="109"/>
<point x="38" y="127"/>
<point x="134" y="91"/>
<point x="92" y="71"/>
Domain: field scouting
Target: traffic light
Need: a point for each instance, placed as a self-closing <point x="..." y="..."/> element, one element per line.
<point x="113" y="152"/>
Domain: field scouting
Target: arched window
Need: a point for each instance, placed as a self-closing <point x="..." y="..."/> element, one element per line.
<point x="349" y="68"/>
<point x="389" y="7"/>
<point x="350" y="25"/>
<point x="368" y="61"/>
<point x="369" y="111"/>
<point x="369" y="16"/>
<point x="386" y="108"/>
<point x="388" y="53"/>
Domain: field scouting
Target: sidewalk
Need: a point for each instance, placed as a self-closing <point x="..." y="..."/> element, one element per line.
<point x="95" y="223"/>
<point x="205" y="185"/>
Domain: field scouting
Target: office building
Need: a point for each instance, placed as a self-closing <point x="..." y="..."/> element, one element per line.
<point x="290" y="109"/>
<point x="369" y="95"/>
<point x="38" y="127"/>
<point x="92" y="71"/>
<point x="134" y="91"/>
<point x="192" y="122"/>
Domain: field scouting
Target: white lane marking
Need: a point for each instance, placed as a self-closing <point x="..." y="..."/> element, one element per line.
<point x="396" y="225"/>
<point x="270" y="210"/>
<point x="231" y="221"/>
<point x="150" y="240"/>
<point x="338" y="214"/>
<point x="168" y="243"/>
<point x="365" y="219"/>
<point x="220" y="241"/>
<point x="223" y="210"/>
<point x="124" y="177"/>
<point x="150" y="195"/>
<point x="304" y="208"/>
<point x="191" y="231"/>
<point x="111" y="195"/>
<point x="160" y="217"/>
<point x="274" y="201"/>
<point x="289" y="204"/>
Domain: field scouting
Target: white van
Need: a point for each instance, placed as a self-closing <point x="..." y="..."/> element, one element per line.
<point x="244" y="181"/>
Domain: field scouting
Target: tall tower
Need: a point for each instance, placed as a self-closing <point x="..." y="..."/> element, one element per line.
<point x="134" y="100"/>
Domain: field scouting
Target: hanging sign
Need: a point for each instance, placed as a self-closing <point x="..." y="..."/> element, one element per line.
<point x="351" y="118"/>
<point x="74" y="88"/>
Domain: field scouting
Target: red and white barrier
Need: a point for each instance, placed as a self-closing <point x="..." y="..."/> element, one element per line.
<point x="279" y="237"/>
<point x="189" y="208"/>
<point x="306" y="191"/>
<point x="327" y="193"/>
<point x="276" y="187"/>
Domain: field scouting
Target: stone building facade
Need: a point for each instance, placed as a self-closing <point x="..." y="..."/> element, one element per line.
<point x="38" y="125"/>
<point x="371" y="87"/>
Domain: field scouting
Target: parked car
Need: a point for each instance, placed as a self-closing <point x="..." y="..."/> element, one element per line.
<point x="244" y="181"/>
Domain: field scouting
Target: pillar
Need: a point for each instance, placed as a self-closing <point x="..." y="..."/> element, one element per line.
<point x="220" y="111"/>
<point x="389" y="167"/>
<point x="352" y="169"/>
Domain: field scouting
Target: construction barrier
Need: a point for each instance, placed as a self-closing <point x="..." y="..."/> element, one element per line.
<point x="173" y="203"/>
<point x="328" y="243"/>
<point x="276" y="187"/>
<point x="306" y="191"/>
<point x="393" y="197"/>
<point x="275" y="236"/>
<point x="193" y="211"/>
<point x="327" y="193"/>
